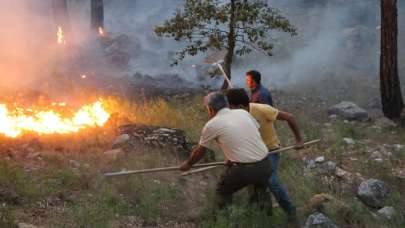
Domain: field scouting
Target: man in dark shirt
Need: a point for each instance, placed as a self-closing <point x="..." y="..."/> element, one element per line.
<point x="262" y="95"/>
<point x="259" y="93"/>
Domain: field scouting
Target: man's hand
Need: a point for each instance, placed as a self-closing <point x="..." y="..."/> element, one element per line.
<point x="185" y="166"/>
<point x="299" y="144"/>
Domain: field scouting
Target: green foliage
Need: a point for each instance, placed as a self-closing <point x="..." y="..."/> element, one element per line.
<point x="16" y="180"/>
<point x="212" y="24"/>
<point x="99" y="210"/>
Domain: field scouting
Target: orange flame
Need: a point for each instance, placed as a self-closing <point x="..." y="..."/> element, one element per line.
<point x="60" y="36"/>
<point x="15" y="123"/>
<point x="101" y="31"/>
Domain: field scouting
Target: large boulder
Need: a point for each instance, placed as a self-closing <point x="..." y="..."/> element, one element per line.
<point x="319" y="220"/>
<point x="349" y="111"/>
<point x="373" y="192"/>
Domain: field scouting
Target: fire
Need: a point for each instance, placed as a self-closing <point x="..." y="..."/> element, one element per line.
<point x="60" y="36"/>
<point x="15" y="122"/>
<point x="101" y="31"/>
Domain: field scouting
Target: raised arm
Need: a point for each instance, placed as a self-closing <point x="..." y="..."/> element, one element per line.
<point x="285" y="116"/>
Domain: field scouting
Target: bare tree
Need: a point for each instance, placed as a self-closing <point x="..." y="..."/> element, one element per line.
<point x="97" y="14"/>
<point x="391" y="96"/>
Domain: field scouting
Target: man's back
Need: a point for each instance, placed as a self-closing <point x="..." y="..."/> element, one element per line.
<point x="266" y="116"/>
<point x="236" y="132"/>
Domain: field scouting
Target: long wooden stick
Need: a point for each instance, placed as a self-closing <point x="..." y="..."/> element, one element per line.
<point x="172" y="168"/>
<point x="272" y="152"/>
<point x="211" y="164"/>
<point x="199" y="170"/>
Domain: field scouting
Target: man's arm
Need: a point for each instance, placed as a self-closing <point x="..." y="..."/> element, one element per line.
<point x="195" y="156"/>
<point x="285" y="116"/>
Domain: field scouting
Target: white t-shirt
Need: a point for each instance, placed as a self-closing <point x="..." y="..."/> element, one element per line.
<point x="237" y="134"/>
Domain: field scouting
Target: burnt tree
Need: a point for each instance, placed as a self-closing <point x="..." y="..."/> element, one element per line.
<point x="391" y="97"/>
<point x="61" y="15"/>
<point x="97" y="15"/>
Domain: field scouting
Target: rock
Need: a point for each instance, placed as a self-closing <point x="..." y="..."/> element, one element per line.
<point x="399" y="173"/>
<point x="320" y="159"/>
<point x="328" y="167"/>
<point x="317" y="201"/>
<point x="319" y="220"/>
<point x="379" y="160"/>
<point x="348" y="111"/>
<point x="9" y="196"/>
<point x="121" y="140"/>
<point x="384" y="122"/>
<point x="114" y="153"/>
<point x="25" y="225"/>
<point x="333" y="117"/>
<point x="373" y="192"/>
<point x="74" y="163"/>
<point x="387" y="212"/>
<point x="310" y="164"/>
<point x="348" y="141"/>
<point x="340" y="172"/>
<point x="398" y="147"/>
<point x="376" y="155"/>
<point x="156" y="137"/>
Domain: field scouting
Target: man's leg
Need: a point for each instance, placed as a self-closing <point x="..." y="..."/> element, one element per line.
<point x="278" y="191"/>
<point x="231" y="181"/>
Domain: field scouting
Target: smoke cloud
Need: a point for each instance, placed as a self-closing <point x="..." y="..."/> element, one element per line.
<point x="338" y="38"/>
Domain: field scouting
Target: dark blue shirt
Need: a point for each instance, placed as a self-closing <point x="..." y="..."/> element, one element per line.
<point x="261" y="95"/>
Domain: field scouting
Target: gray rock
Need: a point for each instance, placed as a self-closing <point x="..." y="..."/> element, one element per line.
<point x="387" y="212"/>
<point x="373" y="192"/>
<point x="376" y="155"/>
<point x="319" y="220"/>
<point x="340" y="172"/>
<point x="398" y="147"/>
<point x="121" y="140"/>
<point x="310" y="164"/>
<point x="320" y="159"/>
<point x="348" y="111"/>
<point x="384" y="122"/>
<point x="348" y="141"/>
<point x="379" y="160"/>
<point x="328" y="167"/>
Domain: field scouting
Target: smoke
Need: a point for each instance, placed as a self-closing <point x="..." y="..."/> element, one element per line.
<point x="336" y="38"/>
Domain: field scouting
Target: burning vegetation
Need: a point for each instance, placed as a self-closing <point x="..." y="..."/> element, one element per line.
<point x="57" y="118"/>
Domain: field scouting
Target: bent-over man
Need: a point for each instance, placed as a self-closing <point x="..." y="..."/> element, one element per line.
<point x="266" y="115"/>
<point x="236" y="132"/>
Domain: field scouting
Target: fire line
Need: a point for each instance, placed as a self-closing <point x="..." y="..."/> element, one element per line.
<point x="15" y="122"/>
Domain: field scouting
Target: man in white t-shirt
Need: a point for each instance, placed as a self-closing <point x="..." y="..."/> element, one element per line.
<point x="236" y="132"/>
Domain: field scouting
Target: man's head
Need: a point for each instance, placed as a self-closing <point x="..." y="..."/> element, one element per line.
<point x="238" y="98"/>
<point x="253" y="79"/>
<point x="214" y="102"/>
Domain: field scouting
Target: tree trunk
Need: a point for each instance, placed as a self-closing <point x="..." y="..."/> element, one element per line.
<point x="97" y="15"/>
<point x="61" y="15"/>
<point x="391" y="96"/>
<point x="231" y="46"/>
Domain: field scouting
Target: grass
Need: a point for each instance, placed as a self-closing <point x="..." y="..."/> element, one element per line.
<point x="98" y="202"/>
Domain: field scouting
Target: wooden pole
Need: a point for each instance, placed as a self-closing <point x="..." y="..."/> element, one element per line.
<point x="172" y="168"/>
<point x="207" y="165"/>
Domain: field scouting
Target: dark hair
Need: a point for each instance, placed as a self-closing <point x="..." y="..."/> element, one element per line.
<point x="238" y="96"/>
<point x="255" y="76"/>
<point x="216" y="100"/>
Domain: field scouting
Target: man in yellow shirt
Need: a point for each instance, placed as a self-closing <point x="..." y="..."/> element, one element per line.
<point x="266" y="115"/>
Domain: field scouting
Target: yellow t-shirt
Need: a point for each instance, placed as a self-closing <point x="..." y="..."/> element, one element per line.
<point x="266" y="115"/>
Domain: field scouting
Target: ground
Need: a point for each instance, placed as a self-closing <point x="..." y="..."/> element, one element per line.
<point x="58" y="181"/>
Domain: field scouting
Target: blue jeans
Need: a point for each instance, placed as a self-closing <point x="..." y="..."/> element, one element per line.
<point x="276" y="189"/>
